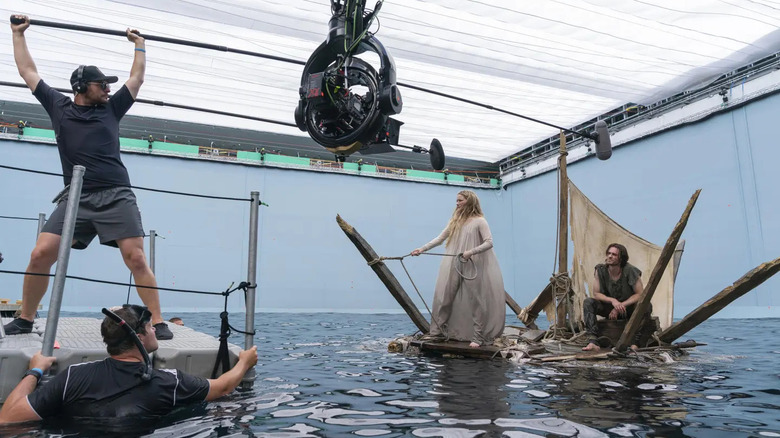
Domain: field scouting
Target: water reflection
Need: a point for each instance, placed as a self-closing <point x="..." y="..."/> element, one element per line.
<point x="619" y="400"/>
<point x="471" y="395"/>
<point x="472" y="389"/>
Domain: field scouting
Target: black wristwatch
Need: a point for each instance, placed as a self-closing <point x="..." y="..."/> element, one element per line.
<point x="37" y="372"/>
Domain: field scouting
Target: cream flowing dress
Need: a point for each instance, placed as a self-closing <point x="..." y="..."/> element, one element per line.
<point x="463" y="309"/>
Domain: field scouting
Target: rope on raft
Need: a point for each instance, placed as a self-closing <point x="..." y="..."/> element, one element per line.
<point x="460" y="260"/>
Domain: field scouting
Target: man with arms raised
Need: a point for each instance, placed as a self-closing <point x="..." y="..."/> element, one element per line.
<point x="87" y="130"/>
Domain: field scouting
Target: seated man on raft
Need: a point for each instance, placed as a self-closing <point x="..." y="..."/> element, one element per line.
<point x="617" y="287"/>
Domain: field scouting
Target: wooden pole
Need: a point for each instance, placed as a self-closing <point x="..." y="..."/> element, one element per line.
<point x="678" y="253"/>
<point x="655" y="277"/>
<point x="563" y="226"/>
<point x="745" y="284"/>
<point x="512" y="304"/>
<point x="529" y="314"/>
<point x="385" y="275"/>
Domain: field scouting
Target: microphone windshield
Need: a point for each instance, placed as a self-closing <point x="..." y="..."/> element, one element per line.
<point x="603" y="142"/>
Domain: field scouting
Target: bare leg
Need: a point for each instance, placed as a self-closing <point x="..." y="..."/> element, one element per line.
<point x="41" y="260"/>
<point x="591" y="347"/>
<point x="132" y="250"/>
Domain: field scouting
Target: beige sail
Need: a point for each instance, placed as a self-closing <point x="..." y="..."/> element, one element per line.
<point x="591" y="232"/>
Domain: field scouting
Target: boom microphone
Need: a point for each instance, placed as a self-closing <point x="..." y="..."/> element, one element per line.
<point x="603" y="142"/>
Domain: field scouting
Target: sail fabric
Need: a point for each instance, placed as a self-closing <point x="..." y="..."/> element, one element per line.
<point x="591" y="232"/>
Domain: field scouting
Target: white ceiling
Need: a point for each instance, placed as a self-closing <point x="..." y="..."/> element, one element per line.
<point x="561" y="61"/>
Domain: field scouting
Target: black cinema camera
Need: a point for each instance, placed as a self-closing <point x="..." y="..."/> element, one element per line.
<point x="345" y="103"/>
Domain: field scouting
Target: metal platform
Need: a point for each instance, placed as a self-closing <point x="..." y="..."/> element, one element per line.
<point x="78" y="340"/>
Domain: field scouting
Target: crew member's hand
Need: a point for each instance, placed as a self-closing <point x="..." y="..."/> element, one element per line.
<point x="466" y="255"/>
<point x="134" y="36"/>
<point x="249" y="356"/>
<point x="613" y="314"/>
<point x="41" y="361"/>
<point x="416" y="252"/>
<point x="20" y="28"/>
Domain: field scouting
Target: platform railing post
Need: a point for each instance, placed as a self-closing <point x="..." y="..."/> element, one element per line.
<point x="152" y="236"/>
<point x="71" y="210"/>
<point x="249" y="338"/>
<point x="41" y="223"/>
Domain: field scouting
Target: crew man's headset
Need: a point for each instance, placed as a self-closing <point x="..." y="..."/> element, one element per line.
<point x="80" y="86"/>
<point x="325" y="106"/>
<point x="144" y="316"/>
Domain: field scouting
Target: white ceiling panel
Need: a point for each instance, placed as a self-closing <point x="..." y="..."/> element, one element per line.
<point x="561" y="61"/>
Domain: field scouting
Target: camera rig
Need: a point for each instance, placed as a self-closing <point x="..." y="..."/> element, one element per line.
<point x="345" y="103"/>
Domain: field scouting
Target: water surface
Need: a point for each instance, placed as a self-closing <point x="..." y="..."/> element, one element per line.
<point x="323" y="375"/>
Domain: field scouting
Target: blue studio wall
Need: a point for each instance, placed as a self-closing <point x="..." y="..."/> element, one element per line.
<point x="305" y="261"/>
<point x="307" y="264"/>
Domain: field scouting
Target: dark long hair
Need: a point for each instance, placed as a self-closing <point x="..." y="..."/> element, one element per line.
<point x="622" y="253"/>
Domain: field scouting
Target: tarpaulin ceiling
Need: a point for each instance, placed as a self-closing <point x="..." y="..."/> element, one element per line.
<point x="561" y="61"/>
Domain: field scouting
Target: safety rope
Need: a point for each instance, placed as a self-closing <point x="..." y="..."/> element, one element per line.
<point x="561" y="284"/>
<point x="460" y="261"/>
<point x="115" y="283"/>
<point x="195" y="195"/>
<point x="457" y="267"/>
<point x="225" y="329"/>
<point x="20" y="218"/>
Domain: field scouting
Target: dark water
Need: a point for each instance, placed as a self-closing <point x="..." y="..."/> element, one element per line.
<point x="323" y="375"/>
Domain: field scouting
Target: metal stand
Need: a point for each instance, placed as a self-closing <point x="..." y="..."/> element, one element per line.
<point x="41" y="223"/>
<point x="152" y="250"/>
<point x="249" y="327"/>
<point x="63" y="256"/>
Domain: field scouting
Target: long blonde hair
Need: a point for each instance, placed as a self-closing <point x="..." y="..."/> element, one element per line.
<point x="459" y="217"/>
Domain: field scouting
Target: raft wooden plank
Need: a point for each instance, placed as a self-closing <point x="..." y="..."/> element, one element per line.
<point x="655" y="277"/>
<point x="677" y="346"/>
<point x="533" y="335"/>
<point x="585" y="355"/>
<point x="384" y="274"/>
<point x="460" y="348"/>
<point x="743" y="285"/>
<point x="529" y="314"/>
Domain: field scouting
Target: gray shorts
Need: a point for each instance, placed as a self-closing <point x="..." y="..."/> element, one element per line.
<point x="111" y="214"/>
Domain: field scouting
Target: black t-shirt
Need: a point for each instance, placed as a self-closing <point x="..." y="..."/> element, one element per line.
<point x="88" y="135"/>
<point x="114" y="389"/>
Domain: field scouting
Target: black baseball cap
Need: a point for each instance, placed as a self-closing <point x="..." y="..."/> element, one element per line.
<point x="90" y="73"/>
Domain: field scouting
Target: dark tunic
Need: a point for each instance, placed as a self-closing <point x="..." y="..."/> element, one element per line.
<point x="623" y="288"/>
<point x="620" y="289"/>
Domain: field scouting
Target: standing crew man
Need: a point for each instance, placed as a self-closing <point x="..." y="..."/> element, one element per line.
<point x="87" y="130"/>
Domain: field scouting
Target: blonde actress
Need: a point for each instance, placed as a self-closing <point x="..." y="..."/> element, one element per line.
<point x="468" y="302"/>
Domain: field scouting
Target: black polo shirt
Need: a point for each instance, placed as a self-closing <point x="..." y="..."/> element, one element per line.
<point x="114" y="389"/>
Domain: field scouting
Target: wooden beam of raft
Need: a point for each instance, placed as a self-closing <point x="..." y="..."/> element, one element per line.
<point x="385" y="275"/>
<point x="745" y="284"/>
<point x="655" y="277"/>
